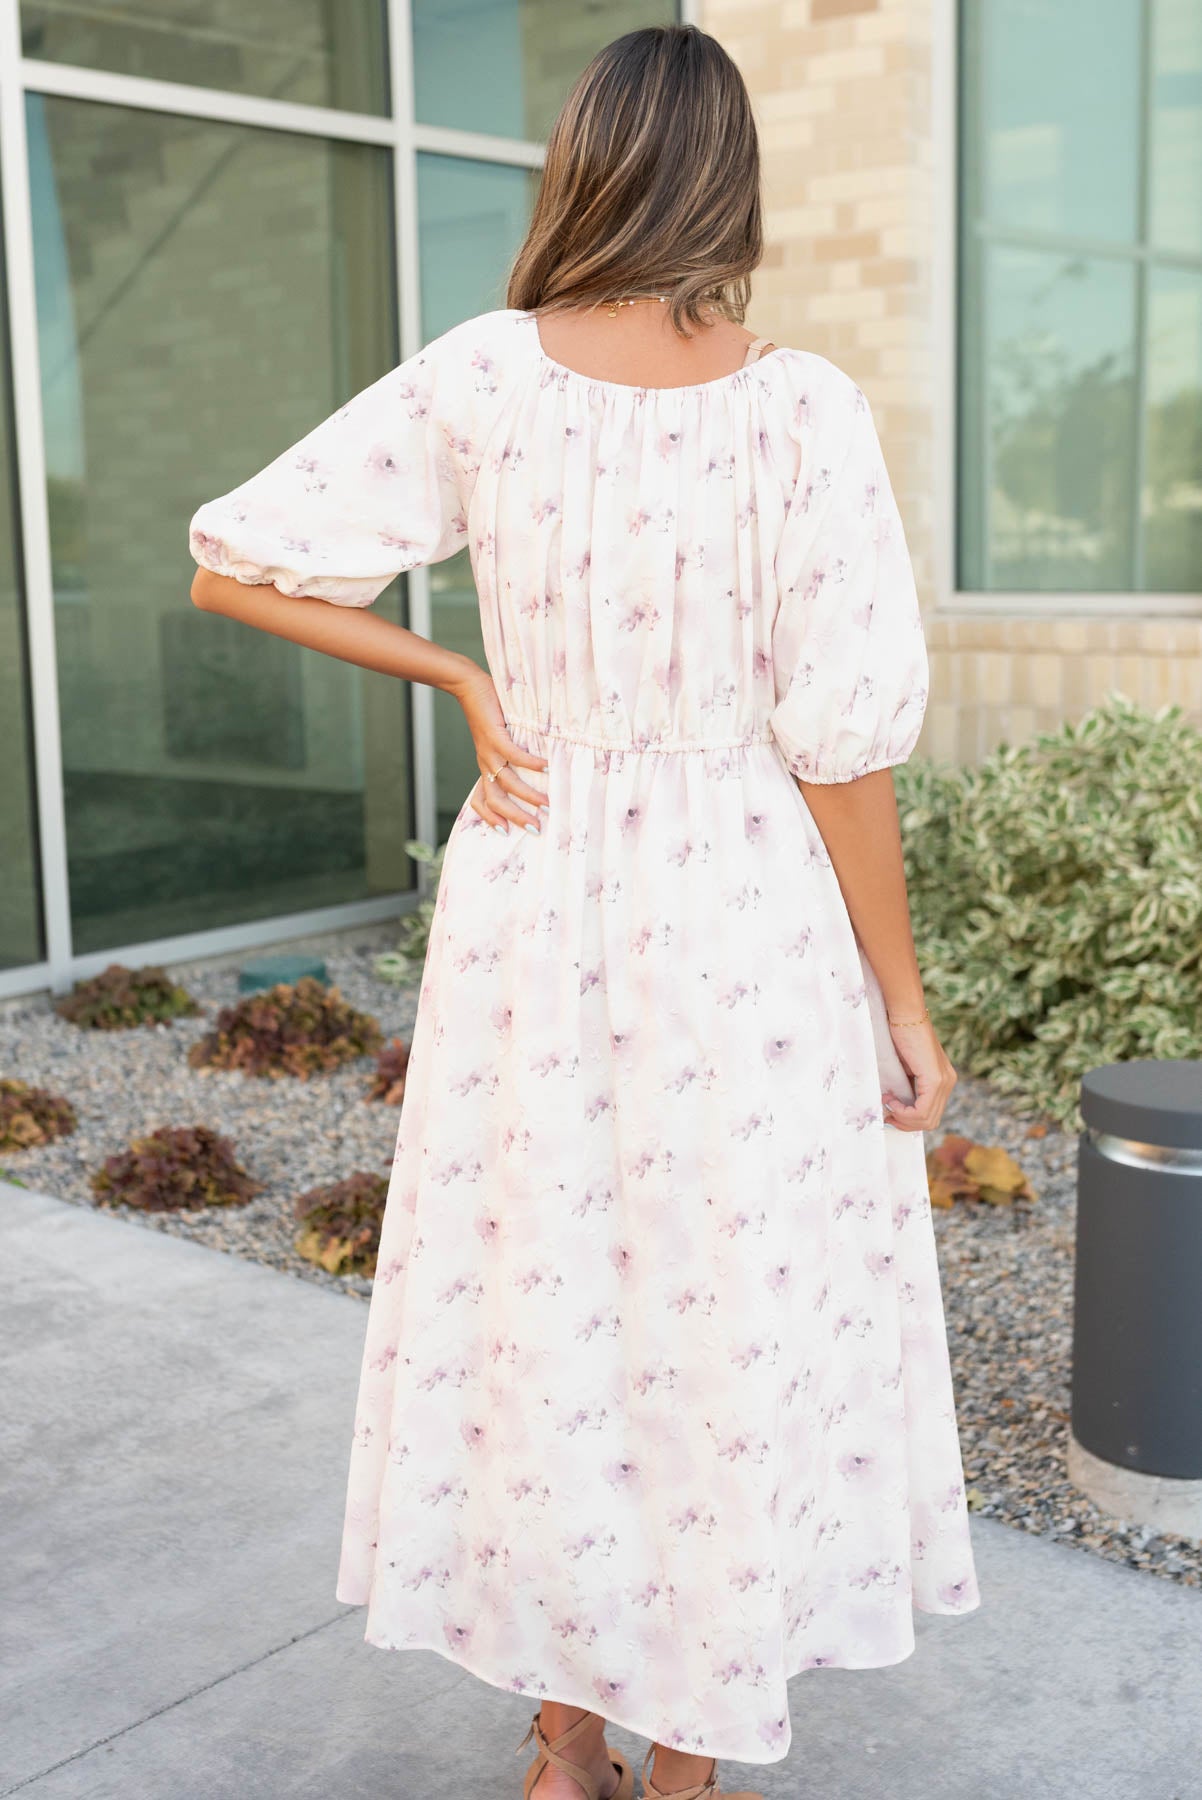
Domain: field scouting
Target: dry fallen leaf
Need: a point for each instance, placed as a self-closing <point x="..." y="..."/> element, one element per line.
<point x="943" y="1191"/>
<point x="959" y="1169"/>
<point x="993" y="1168"/>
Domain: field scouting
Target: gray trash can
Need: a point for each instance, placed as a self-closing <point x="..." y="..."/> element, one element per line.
<point x="1136" y="1444"/>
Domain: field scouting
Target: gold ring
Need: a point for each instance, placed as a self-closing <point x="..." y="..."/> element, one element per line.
<point x="496" y="771"/>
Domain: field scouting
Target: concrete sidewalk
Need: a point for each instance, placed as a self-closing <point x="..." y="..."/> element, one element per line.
<point x="176" y="1428"/>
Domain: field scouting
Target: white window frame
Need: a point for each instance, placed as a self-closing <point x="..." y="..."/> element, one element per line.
<point x="407" y="139"/>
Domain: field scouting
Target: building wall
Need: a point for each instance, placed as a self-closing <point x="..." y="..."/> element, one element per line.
<point x="845" y="95"/>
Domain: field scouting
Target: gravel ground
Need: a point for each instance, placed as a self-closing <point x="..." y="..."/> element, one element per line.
<point x="290" y="1135"/>
<point x="1007" y="1271"/>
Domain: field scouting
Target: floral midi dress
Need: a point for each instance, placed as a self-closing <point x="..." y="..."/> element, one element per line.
<point x="655" y="1408"/>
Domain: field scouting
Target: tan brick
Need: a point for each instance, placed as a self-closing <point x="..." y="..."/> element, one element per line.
<point x="845" y="64"/>
<point x="940" y="726"/>
<point x="799" y="225"/>
<point x="1130" y="675"/>
<point x="893" y="271"/>
<point x="999" y="679"/>
<point x="887" y="25"/>
<point x="1101" y="674"/>
<point x="988" y="729"/>
<point x="1070" y="634"/>
<point x="864" y="303"/>
<point x="789" y="134"/>
<point x="1159" y="636"/>
<point x="1154" y="681"/>
<point x="987" y="632"/>
<point x="858" y="185"/>
<point x="892" y="329"/>
<point x="793" y="98"/>
<point x="1018" y="723"/>
<point x="841" y="245"/>
<point x="968" y="734"/>
<point x="1076" y="678"/>
<point x="1183" y="681"/>
<point x="833" y="9"/>
<point x="1046" y="679"/>
<point x="1024" y="685"/>
<point x="901" y="240"/>
<point x="963" y="684"/>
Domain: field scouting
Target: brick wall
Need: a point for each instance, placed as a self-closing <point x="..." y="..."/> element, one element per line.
<point x="843" y="92"/>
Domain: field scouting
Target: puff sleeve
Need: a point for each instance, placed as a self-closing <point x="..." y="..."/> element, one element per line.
<point x="850" y="668"/>
<point x="380" y="486"/>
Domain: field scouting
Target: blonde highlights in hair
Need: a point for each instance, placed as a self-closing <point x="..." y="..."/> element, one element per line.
<point x="651" y="184"/>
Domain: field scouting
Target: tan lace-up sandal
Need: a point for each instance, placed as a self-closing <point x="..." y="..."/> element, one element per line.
<point x="709" y="1790"/>
<point x="549" y="1752"/>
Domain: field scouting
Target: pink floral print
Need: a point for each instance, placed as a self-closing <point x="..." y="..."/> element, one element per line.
<point x="655" y="1408"/>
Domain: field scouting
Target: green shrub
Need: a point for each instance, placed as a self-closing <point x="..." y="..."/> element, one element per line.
<point x="172" y="1169"/>
<point x="1056" y="893"/>
<point x="388" y="1083"/>
<point x="299" y="1030"/>
<point x="340" y="1224"/>
<point x="121" y="998"/>
<point x="405" y="962"/>
<point x="32" y="1115"/>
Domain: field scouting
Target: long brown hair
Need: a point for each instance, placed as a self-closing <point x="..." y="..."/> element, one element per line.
<point x="651" y="183"/>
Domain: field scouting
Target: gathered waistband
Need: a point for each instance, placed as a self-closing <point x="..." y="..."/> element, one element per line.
<point x="640" y="746"/>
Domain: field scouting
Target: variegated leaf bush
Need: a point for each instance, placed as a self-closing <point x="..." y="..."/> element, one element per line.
<point x="1056" y="894"/>
<point x="405" y="962"/>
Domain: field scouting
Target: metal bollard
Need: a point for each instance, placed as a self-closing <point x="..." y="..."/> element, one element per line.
<point x="1136" y="1440"/>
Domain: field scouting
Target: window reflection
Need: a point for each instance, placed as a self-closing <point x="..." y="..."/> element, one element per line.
<point x="319" y="52"/>
<point x="1176" y="125"/>
<point x="1058" y="431"/>
<point x="1080" y="390"/>
<point x="1173" y="479"/>
<point x="206" y="294"/>
<point x="505" y="66"/>
<point x="473" y="217"/>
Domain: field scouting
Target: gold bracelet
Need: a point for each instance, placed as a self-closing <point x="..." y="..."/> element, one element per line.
<point x="924" y="1014"/>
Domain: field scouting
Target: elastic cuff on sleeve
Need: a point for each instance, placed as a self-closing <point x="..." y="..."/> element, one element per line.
<point x="828" y="777"/>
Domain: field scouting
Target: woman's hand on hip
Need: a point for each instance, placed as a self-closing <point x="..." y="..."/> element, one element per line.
<point x="930" y="1071"/>
<point x="498" y="801"/>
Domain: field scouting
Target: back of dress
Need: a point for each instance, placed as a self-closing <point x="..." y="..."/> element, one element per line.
<point x="655" y="1407"/>
<point x="688" y="567"/>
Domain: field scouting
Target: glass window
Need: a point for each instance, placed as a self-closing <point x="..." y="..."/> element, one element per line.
<point x="472" y="218"/>
<point x="20" y="888"/>
<point x="1173" y="483"/>
<point x="206" y="294"/>
<point x="1176" y="124"/>
<point x="1080" y="371"/>
<point x="1055" y="426"/>
<point x="1059" y="142"/>
<point x="505" y="66"/>
<point x="299" y="50"/>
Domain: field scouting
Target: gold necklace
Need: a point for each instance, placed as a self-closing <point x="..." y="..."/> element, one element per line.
<point x="611" y="306"/>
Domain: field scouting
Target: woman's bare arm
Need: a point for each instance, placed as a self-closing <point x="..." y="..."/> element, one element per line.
<point x="354" y="634"/>
<point x="357" y="635"/>
<point x="859" y="825"/>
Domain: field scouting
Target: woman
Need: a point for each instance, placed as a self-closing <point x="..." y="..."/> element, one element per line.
<point x="655" y="1407"/>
